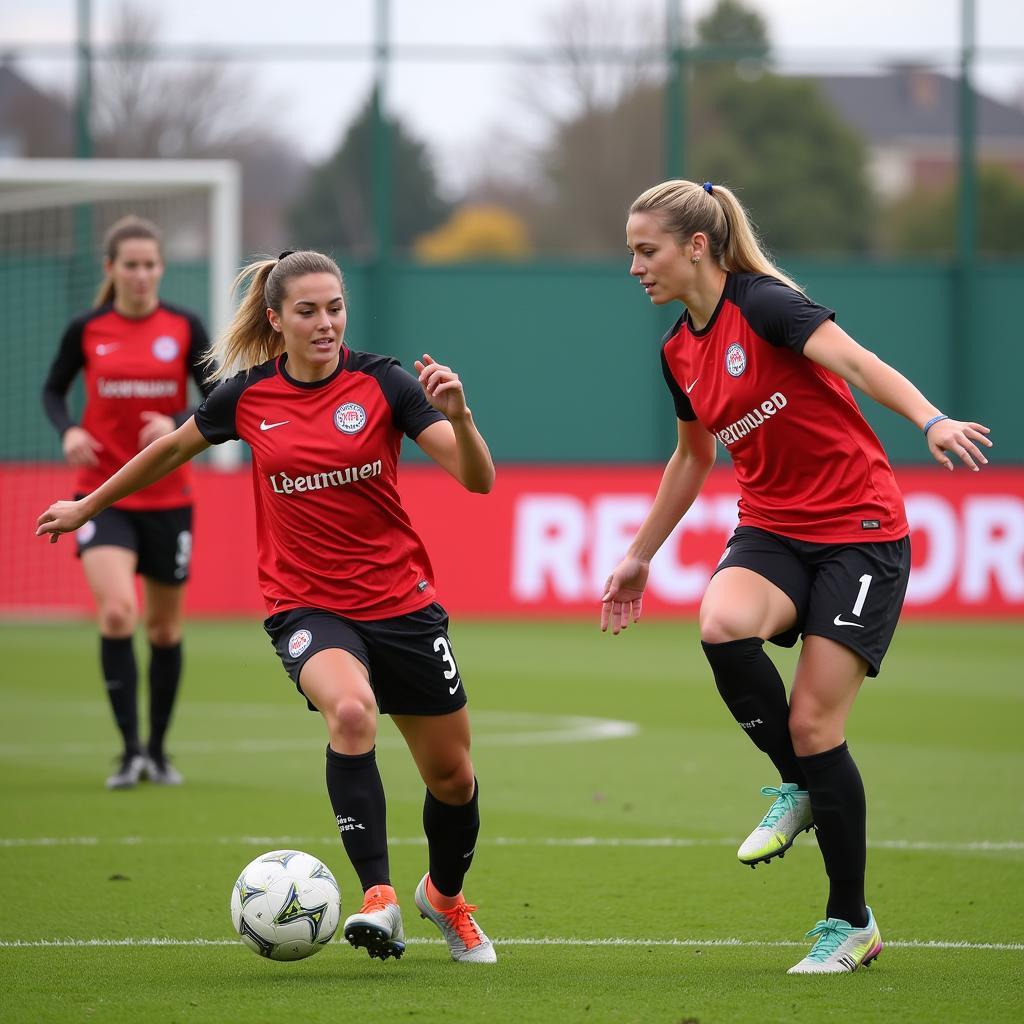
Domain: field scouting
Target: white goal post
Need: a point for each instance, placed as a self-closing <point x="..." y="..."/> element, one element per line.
<point x="196" y="203"/>
<point x="34" y="184"/>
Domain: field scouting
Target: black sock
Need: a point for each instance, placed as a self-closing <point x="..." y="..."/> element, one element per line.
<point x="840" y="816"/>
<point x="357" y="796"/>
<point x="451" y="839"/>
<point x="164" y="675"/>
<point x="753" y="691"/>
<point x="117" y="658"/>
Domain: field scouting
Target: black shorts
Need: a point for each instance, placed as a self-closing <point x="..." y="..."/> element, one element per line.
<point x="409" y="657"/>
<point x="161" y="539"/>
<point x="850" y="593"/>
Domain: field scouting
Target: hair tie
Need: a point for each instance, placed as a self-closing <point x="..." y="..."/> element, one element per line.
<point x="287" y="252"/>
<point x="708" y="187"/>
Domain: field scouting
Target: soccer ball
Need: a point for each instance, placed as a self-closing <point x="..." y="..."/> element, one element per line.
<point x="286" y="905"/>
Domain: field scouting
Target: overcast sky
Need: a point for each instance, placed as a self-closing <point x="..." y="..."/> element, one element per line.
<point x="459" y="104"/>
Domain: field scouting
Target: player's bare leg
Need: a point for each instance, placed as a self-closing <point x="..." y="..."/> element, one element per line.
<point x="440" y="747"/>
<point x="163" y="606"/>
<point x="338" y="685"/>
<point x="110" y="574"/>
<point x="740" y="610"/>
<point x="828" y="677"/>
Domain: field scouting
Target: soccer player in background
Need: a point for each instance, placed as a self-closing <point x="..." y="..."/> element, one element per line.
<point x="137" y="354"/>
<point x="348" y="585"/>
<point x="822" y="547"/>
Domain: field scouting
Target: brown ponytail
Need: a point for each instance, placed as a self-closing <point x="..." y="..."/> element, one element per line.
<point x="687" y="207"/>
<point x="249" y="339"/>
<point x="120" y="231"/>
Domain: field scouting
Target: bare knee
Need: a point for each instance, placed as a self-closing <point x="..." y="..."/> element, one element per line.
<point x="812" y="732"/>
<point x="352" y="724"/>
<point x="163" y="633"/>
<point x="117" y="617"/>
<point x="453" y="782"/>
<point x="720" y="626"/>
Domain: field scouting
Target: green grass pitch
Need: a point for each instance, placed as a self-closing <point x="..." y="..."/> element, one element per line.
<point x="614" y="789"/>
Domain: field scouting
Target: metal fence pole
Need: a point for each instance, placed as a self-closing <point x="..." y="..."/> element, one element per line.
<point x="967" y="212"/>
<point x="382" y="185"/>
<point x="675" y="91"/>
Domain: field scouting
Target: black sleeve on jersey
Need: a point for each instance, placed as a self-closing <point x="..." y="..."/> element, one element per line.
<point x="215" y="418"/>
<point x="66" y="365"/>
<point x="684" y="410"/>
<point x="199" y="344"/>
<point x="781" y="315"/>
<point x="410" y="411"/>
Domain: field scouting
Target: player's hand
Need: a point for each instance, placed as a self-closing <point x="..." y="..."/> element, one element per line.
<point x="61" y="517"/>
<point x="156" y="424"/>
<point x="442" y="387"/>
<point x="80" y="447"/>
<point x="622" y="601"/>
<point x="952" y="437"/>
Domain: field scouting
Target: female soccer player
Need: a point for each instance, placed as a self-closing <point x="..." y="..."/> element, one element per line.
<point x="822" y="545"/>
<point x="137" y="353"/>
<point x="347" y="583"/>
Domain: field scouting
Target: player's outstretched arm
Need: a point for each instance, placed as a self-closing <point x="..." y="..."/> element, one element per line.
<point x="833" y="348"/>
<point x="685" y="473"/>
<point x="165" y="454"/>
<point x="457" y="445"/>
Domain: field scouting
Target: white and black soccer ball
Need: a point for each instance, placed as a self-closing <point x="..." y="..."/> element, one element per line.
<point x="286" y="905"/>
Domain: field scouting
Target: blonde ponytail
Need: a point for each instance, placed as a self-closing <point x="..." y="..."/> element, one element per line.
<point x="687" y="207"/>
<point x="118" y="232"/>
<point x="249" y="339"/>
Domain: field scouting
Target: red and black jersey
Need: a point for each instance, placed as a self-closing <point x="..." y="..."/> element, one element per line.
<point x="807" y="463"/>
<point x="331" y="529"/>
<point x="131" y="366"/>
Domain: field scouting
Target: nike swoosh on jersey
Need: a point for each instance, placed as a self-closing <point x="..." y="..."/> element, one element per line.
<point x="270" y="426"/>
<point x="102" y="350"/>
<point x="452" y="689"/>
<point x="692" y="386"/>
<point x="842" y="622"/>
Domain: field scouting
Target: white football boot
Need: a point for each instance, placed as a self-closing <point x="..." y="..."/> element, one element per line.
<point x="789" y="815"/>
<point x="466" y="941"/>
<point x="129" y="771"/>
<point x="377" y="927"/>
<point x="840" y="948"/>
<point x="160" y="771"/>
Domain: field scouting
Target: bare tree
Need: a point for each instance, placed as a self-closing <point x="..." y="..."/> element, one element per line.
<point x="146" y="107"/>
<point x="602" y="52"/>
<point x="590" y="138"/>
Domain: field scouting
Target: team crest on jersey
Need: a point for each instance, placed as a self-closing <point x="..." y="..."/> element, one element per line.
<point x="298" y="642"/>
<point x="735" y="359"/>
<point x="350" y="418"/>
<point x="165" y="348"/>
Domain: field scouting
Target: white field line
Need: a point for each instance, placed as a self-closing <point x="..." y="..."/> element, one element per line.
<point x="517" y="729"/>
<point x="957" y="944"/>
<point x="576" y="842"/>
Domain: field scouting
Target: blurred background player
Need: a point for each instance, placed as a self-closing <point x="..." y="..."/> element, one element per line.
<point x="822" y="547"/>
<point x="137" y="354"/>
<point x="347" y="582"/>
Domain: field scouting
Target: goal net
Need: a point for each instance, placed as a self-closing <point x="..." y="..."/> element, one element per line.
<point x="53" y="216"/>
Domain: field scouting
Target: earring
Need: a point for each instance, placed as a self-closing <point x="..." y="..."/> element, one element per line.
<point x="695" y="259"/>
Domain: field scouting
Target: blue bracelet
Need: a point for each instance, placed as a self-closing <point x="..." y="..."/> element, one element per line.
<point x="931" y="423"/>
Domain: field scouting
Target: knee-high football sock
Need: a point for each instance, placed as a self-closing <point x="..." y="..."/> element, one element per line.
<point x="451" y="839"/>
<point x="357" y="796"/>
<point x="753" y="691"/>
<point x="840" y="815"/>
<point x="120" y="674"/>
<point x="164" y="676"/>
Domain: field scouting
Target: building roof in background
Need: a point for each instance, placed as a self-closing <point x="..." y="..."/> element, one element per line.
<point x="915" y="102"/>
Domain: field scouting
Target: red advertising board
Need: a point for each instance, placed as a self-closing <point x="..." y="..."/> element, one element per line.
<point x="542" y="543"/>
